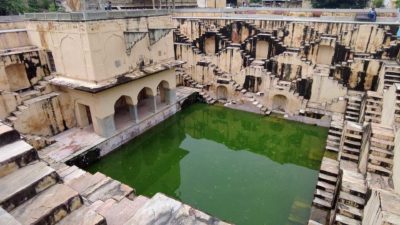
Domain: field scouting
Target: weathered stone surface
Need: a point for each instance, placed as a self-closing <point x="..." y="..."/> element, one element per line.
<point x="162" y="210"/>
<point x="85" y="181"/>
<point x="7" y="135"/>
<point x="113" y="189"/>
<point x="48" y="207"/>
<point x="24" y="183"/>
<point x="15" y="155"/>
<point x="83" y="216"/>
<point x="7" y="219"/>
<point x="119" y="212"/>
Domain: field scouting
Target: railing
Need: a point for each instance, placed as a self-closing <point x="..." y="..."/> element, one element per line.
<point x="95" y="15"/>
<point x="244" y="9"/>
<point x="5" y="19"/>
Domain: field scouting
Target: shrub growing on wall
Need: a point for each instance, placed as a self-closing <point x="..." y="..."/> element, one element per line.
<point x="377" y="3"/>
<point x="332" y="4"/>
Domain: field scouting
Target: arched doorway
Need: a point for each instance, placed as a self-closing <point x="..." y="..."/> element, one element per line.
<point x="146" y="103"/>
<point x="163" y="94"/>
<point x="222" y="93"/>
<point x="279" y="103"/>
<point x="123" y="112"/>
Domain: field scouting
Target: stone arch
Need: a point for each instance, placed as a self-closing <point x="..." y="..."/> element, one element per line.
<point x="146" y="102"/>
<point x="222" y="93"/>
<point x="163" y="93"/>
<point x="114" y="62"/>
<point x="123" y="111"/>
<point x="72" y="57"/>
<point x="279" y="103"/>
<point x="17" y="77"/>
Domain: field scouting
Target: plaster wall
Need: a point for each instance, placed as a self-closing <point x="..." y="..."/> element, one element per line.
<point x="99" y="50"/>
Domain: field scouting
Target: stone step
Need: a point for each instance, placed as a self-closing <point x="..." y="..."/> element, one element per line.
<point x="120" y="212"/>
<point x="346" y="220"/>
<point x="326" y="186"/>
<point x="25" y="183"/>
<point x="8" y="135"/>
<point x="352" y="198"/>
<point x="332" y="148"/>
<point x="379" y="169"/>
<point x="350" y="157"/>
<point x="348" y="210"/>
<point x="112" y="189"/>
<point x="7" y="219"/>
<point x="327" y="196"/>
<point x="29" y="94"/>
<point x="48" y="207"/>
<point x="320" y="202"/>
<point x="327" y="178"/>
<point x="83" y="216"/>
<point x="161" y="209"/>
<point x="15" y="155"/>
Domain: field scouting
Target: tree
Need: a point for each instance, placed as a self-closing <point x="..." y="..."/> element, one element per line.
<point x="339" y="3"/>
<point x="11" y="7"/>
<point x="397" y="3"/>
<point x="33" y="6"/>
<point x="377" y="3"/>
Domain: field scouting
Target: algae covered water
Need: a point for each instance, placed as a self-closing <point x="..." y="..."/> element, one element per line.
<point x="240" y="167"/>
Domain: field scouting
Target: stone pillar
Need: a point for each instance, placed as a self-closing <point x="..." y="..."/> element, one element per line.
<point x="134" y="113"/>
<point x="105" y="127"/>
<point x="171" y="96"/>
<point x="154" y="105"/>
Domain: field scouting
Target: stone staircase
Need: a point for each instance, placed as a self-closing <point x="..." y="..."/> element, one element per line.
<point x="335" y="133"/>
<point x="373" y="107"/>
<point x="31" y="192"/>
<point x="351" y="142"/>
<point x="353" y="108"/>
<point x="391" y="76"/>
<point x="42" y="91"/>
<point x="325" y="191"/>
<point x="351" y="198"/>
<point x="381" y="145"/>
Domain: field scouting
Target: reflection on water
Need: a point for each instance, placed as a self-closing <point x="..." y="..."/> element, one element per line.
<point x="237" y="166"/>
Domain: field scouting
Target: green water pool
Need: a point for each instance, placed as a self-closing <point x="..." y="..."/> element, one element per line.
<point x="240" y="167"/>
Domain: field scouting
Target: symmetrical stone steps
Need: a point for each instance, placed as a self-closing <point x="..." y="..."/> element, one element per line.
<point x="351" y="142"/>
<point x="120" y="212"/>
<point x="48" y="207"/>
<point x="15" y="155"/>
<point x="325" y="191"/>
<point x="392" y="75"/>
<point x="380" y="158"/>
<point x="161" y="209"/>
<point x="25" y="183"/>
<point x="94" y="187"/>
<point x="83" y="216"/>
<point x="351" y="198"/>
<point x="353" y="108"/>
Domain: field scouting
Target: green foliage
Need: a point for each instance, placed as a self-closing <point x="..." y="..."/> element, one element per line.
<point x="355" y="4"/>
<point x="52" y="7"/>
<point x="33" y="6"/>
<point x="11" y="7"/>
<point x="377" y="3"/>
<point x="397" y="2"/>
<point x="255" y="1"/>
